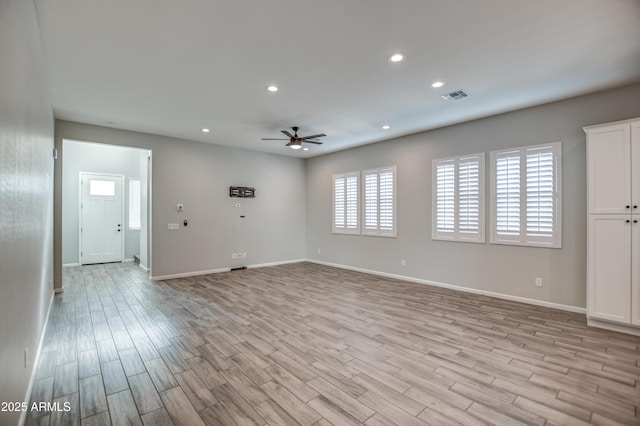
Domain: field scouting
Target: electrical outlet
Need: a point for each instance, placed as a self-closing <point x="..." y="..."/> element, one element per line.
<point x="26" y="357"/>
<point x="319" y="251"/>
<point x="538" y="282"/>
<point x="234" y="255"/>
<point x="403" y="262"/>
<point x="244" y="255"/>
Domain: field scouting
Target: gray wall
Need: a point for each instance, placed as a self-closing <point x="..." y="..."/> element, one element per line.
<point x="199" y="175"/>
<point x="508" y="270"/>
<point x="26" y="198"/>
<point x="95" y="158"/>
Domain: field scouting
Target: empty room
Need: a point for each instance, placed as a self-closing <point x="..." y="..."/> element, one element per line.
<point x="352" y="212"/>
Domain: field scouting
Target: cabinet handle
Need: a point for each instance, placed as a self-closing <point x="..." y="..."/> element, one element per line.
<point x="628" y="207"/>
<point x="627" y="221"/>
<point x="635" y="221"/>
<point x="635" y="207"/>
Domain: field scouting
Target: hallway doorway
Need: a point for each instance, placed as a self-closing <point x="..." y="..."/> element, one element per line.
<point x="112" y="224"/>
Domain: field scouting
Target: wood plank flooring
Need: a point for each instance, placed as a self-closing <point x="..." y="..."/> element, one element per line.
<point x="312" y="345"/>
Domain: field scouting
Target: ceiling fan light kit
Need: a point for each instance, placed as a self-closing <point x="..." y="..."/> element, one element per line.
<point x="295" y="141"/>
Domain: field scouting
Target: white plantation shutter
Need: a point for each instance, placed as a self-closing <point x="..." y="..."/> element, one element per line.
<point x="540" y="192"/>
<point x="445" y="196"/>
<point x="338" y="203"/>
<point x="469" y="195"/>
<point x="386" y="200"/>
<point x="458" y="198"/>
<point x="134" y="204"/>
<point x="507" y="176"/>
<point x="526" y="197"/>
<point x="351" y="198"/>
<point x="380" y="201"/>
<point x="345" y="203"/>
<point x="371" y="200"/>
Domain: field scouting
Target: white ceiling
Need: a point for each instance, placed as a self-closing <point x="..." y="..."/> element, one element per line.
<point x="173" y="67"/>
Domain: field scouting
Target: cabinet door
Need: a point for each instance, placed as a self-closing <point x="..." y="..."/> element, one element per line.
<point x="635" y="271"/>
<point x="609" y="270"/>
<point x="609" y="162"/>
<point x="635" y="166"/>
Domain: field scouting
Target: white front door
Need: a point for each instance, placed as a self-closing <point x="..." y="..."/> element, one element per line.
<point x="102" y="219"/>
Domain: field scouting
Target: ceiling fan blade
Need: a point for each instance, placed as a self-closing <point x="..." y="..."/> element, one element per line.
<point x="287" y="133"/>
<point x="320" y="135"/>
<point x="316" y="142"/>
<point x="272" y="139"/>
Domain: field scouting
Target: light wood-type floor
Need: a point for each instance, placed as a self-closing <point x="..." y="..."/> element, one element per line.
<point x="312" y="345"/>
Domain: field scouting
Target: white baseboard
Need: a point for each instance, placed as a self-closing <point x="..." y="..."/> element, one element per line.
<point x="621" y="328"/>
<point x="217" y="271"/>
<point x="144" y="268"/>
<point x="70" y="265"/>
<point x="512" y="298"/>
<point x="128" y="260"/>
<point x="188" y="274"/>
<point x="285" y="262"/>
<point x="36" y="362"/>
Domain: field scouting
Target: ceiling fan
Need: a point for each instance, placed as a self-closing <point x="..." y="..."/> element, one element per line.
<point x="295" y="141"/>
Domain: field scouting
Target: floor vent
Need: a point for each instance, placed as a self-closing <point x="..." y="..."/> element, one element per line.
<point x="238" y="268"/>
<point x="455" y="96"/>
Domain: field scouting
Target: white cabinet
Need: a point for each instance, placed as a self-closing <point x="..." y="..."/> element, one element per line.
<point x="610" y="159"/>
<point x="613" y="254"/>
<point x="610" y="267"/>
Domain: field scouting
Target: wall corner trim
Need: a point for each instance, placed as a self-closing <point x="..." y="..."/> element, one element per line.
<point x="552" y="305"/>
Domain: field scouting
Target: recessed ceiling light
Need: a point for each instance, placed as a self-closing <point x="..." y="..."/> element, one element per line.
<point x="205" y="130"/>
<point x="272" y="88"/>
<point x="386" y="127"/>
<point x="305" y="149"/>
<point x="437" y="84"/>
<point x="396" y="57"/>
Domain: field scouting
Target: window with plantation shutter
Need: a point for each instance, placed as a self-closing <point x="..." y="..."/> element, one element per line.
<point x="134" y="203"/>
<point x="458" y="198"/>
<point x="526" y="197"/>
<point x="345" y="203"/>
<point x="380" y="202"/>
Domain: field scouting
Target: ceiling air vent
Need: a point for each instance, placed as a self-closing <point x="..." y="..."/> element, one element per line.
<point x="455" y="96"/>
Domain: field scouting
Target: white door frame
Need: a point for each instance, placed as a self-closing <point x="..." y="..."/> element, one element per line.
<point x="122" y="192"/>
<point x="149" y="210"/>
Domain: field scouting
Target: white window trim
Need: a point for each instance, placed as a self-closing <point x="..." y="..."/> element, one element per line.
<point x="456" y="234"/>
<point x="523" y="239"/>
<point x="129" y="206"/>
<point x="344" y="229"/>
<point x="377" y="232"/>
